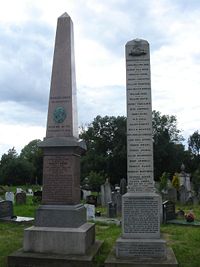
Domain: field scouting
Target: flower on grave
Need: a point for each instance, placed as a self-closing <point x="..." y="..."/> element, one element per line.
<point x="189" y="217"/>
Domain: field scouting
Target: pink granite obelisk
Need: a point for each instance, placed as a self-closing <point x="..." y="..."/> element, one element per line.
<point x="61" y="226"/>
<point x="62" y="148"/>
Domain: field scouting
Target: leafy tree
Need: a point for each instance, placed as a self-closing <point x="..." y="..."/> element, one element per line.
<point x="168" y="150"/>
<point x="105" y="138"/>
<point x="194" y="143"/>
<point x="33" y="154"/>
<point x="16" y="172"/>
<point x="165" y="124"/>
<point x="95" y="180"/>
<point x="6" y="159"/>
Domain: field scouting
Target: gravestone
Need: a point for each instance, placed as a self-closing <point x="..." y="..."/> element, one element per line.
<point x="117" y="199"/>
<point x="6" y="209"/>
<point x="10" y="196"/>
<point x="140" y="243"/>
<point x="106" y="193"/>
<point x="19" y="190"/>
<point x="183" y="194"/>
<point x="86" y="193"/>
<point x="61" y="226"/>
<point x="172" y="194"/>
<point x="30" y="192"/>
<point x="169" y="212"/>
<point x="20" y="198"/>
<point x="112" y="210"/>
<point x="90" y="210"/>
<point x="123" y="186"/>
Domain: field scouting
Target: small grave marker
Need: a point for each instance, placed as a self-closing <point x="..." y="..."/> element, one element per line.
<point x="168" y="211"/>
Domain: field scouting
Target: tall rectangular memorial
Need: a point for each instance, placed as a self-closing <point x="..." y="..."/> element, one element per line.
<point x="61" y="226"/>
<point x="140" y="243"/>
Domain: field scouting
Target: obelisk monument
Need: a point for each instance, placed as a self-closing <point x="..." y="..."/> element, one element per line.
<point x="140" y="240"/>
<point x="61" y="226"/>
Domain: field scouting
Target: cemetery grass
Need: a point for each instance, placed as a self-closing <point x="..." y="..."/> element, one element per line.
<point x="184" y="240"/>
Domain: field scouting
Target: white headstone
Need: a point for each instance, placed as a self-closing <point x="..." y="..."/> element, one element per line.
<point x="19" y="190"/>
<point x="90" y="209"/>
<point x="10" y="196"/>
<point x="86" y="193"/>
<point x="30" y="192"/>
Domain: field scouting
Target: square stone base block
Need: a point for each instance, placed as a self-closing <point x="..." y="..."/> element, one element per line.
<point x="141" y="248"/>
<point x="30" y="259"/>
<point x="60" y="215"/>
<point x="170" y="261"/>
<point x="59" y="240"/>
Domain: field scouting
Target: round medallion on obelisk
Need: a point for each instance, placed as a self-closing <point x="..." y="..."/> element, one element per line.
<point x="59" y="114"/>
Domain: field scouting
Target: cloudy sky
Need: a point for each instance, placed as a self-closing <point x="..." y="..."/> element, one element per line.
<point x="101" y="28"/>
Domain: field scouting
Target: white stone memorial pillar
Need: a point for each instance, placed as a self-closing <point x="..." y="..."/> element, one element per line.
<point x="141" y="205"/>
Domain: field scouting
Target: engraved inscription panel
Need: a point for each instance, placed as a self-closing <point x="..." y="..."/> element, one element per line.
<point x="141" y="215"/>
<point x="141" y="250"/>
<point x="60" y="179"/>
<point x="139" y="122"/>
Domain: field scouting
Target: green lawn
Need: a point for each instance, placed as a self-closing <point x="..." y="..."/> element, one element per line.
<point x="184" y="240"/>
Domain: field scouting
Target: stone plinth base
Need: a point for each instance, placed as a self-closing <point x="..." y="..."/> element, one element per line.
<point x="170" y="261"/>
<point x="141" y="248"/>
<point x="60" y="215"/>
<point x="59" y="240"/>
<point x="24" y="259"/>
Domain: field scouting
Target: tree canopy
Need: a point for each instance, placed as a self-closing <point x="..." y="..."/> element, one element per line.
<point x="24" y="168"/>
<point x="106" y="142"/>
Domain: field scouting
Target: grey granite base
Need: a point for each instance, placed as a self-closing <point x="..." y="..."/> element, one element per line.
<point x="145" y="249"/>
<point x="170" y="261"/>
<point x="59" y="240"/>
<point x="30" y="259"/>
<point x="60" y="216"/>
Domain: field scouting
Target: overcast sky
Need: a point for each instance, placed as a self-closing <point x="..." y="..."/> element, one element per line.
<point x="101" y="28"/>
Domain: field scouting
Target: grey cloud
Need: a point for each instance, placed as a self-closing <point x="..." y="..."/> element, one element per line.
<point x="109" y="100"/>
<point x="25" y="66"/>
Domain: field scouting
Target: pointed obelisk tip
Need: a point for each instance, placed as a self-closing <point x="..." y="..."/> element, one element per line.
<point x="64" y="15"/>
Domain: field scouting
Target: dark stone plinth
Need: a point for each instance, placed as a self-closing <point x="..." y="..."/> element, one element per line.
<point x="170" y="261"/>
<point x="61" y="176"/>
<point x="28" y="259"/>
<point x="60" y="216"/>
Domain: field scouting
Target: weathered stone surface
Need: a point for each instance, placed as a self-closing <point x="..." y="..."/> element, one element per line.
<point x="62" y="112"/>
<point x="6" y="208"/>
<point x="138" y="249"/>
<point x="61" y="177"/>
<point x="169" y="261"/>
<point x="60" y="225"/>
<point x="30" y="259"/>
<point x="139" y="117"/>
<point x="141" y="215"/>
<point x="59" y="240"/>
<point x="60" y="216"/>
<point x="140" y="243"/>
